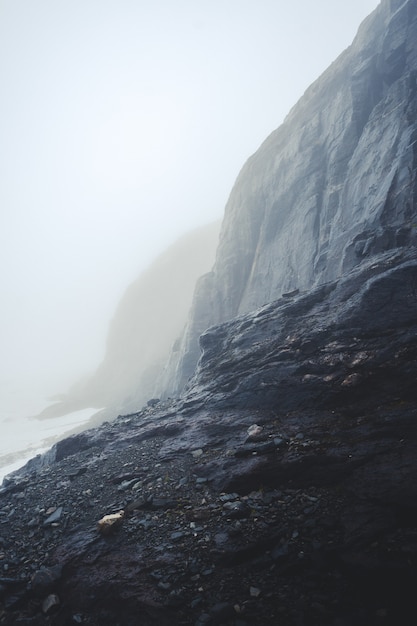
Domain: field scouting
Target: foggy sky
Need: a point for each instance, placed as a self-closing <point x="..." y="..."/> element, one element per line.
<point x="123" y="124"/>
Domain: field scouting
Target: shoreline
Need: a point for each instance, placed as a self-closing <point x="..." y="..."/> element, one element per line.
<point x="49" y="432"/>
<point x="218" y="522"/>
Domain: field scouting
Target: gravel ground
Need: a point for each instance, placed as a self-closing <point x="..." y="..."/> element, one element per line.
<point x="186" y="551"/>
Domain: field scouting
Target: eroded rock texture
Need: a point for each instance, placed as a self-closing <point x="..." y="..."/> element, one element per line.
<point x="347" y="342"/>
<point x="331" y="188"/>
<point x="281" y="487"/>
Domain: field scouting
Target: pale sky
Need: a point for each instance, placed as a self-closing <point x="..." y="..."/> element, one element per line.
<point x="123" y="124"/>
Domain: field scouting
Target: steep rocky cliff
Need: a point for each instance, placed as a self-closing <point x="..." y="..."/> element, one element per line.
<point x="281" y="487"/>
<point x="329" y="189"/>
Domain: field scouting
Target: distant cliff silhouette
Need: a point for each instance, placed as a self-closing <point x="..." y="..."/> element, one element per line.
<point x="147" y="322"/>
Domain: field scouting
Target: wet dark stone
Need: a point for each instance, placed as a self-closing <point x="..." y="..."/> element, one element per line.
<point x="318" y="509"/>
<point x="222" y="611"/>
<point x="45" y="579"/>
<point x="54" y="517"/>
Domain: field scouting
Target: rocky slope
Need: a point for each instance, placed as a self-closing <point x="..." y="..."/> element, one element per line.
<point x="289" y="511"/>
<point x="281" y="487"/>
<point x="347" y="342"/>
<point x="329" y="189"/>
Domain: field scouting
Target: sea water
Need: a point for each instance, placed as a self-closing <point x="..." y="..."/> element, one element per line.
<point x="22" y="435"/>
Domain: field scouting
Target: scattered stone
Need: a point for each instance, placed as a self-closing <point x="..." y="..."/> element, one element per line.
<point x="281" y="522"/>
<point x="255" y="433"/>
<point x="228" y="497"/>
<point x="237" y="510"/>
<point x="255" y="592"/>
<point x="177" y="536"/>
<point x="45" y="579"/>
<point x="207" y="572"/>
<point x="54" y="516"/>
<point x="50" y="603"/>
<point x="129" y="484"/>
<point x="221" y="538"/>
<point x="77" y="472"/>
<point x="109" y="523"/>
<point x="123" y="478"/>
<point x="278" y="442"/>
<point x="199" y="514"/>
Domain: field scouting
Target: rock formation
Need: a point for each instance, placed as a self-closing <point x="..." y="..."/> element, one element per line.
<point x="281" y="486"/>
<point x="329" y="189"/>
<point x="350" y="342"/>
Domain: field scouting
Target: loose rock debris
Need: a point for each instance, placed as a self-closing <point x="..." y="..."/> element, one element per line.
<point x="110" y="522"/>
<point x="285" y="535"/>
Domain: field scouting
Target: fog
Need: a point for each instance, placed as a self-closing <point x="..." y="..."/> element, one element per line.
<point x="124" y="124"/>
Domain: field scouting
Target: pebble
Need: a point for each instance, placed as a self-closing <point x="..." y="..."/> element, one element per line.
<point x="54" y="517"/>
<point x="237" y="510"/>
<point x="50" y="603"/>
<point x="228" y="497"/>
<point x="255" y="592"/>
<point x="278" y="442"/>
<point x="254" y="431"/>
<point x="177" y="536"/>
<point x="45" y="578"/>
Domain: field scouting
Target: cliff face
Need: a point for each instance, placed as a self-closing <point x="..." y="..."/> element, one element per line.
<point x="291" y="453"/>
<point x="346" y="344"/>
<point x="330" y="189"/>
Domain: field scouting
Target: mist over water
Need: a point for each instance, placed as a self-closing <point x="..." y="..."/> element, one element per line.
<point x="25" y="437"/>
<point x="22" y="436"/>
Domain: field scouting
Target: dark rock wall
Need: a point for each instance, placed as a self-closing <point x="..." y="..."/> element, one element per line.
<point x="331" y="188"/>
<point x="346" y="344"/>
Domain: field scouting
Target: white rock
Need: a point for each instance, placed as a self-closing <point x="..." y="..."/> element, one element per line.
<point x="50" y="603"/>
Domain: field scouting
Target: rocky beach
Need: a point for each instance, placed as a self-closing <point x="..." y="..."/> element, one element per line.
<point x="240" y="518"/>
<point x="290" y="503"/>
<point x="271" y="478"/>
